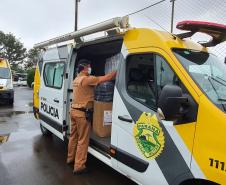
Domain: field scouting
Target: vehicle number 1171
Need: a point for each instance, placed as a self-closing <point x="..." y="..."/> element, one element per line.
<point x="217" y="164"/>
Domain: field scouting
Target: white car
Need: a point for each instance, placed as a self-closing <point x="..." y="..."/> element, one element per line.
<point x="22" y="81"/>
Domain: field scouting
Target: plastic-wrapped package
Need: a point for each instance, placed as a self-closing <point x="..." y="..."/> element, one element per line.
<point x="112" y="63"/>
<point x="104" y="92"/>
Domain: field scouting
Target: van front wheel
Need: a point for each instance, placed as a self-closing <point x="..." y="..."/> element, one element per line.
<point x="45" y="131"/>
<point x="11" y="101"/>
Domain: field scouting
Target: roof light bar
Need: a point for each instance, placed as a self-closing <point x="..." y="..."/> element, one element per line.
<point x="216" y="31"/>
<point x="120" y="22"/>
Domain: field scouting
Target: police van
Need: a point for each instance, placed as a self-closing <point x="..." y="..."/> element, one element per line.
<point x="6" y="82"/>
<point x="169" y="104"/>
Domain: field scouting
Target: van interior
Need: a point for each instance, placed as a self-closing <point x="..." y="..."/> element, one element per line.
<point x="97" y="52"/>
<point x="139" y="77"/>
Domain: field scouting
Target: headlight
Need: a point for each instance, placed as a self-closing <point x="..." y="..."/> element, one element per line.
<point x="9" y="84"/>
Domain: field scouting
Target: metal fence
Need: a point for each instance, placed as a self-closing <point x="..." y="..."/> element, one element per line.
<point x="160" y="17"/>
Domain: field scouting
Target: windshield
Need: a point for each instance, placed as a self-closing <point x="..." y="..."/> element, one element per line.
<point x="207" y="71"/>
<point x="4" y="73"/>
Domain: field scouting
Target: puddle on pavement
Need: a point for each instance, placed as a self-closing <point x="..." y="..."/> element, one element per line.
<point x="6" y="129"/>
<point x="30" y="104"/>
<point x="4" y="139"/>
<point x="6" y="126"/>
<point x="14" y="113"/>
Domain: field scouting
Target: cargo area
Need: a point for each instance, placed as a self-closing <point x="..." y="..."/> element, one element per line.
<point x="104" y="56"/>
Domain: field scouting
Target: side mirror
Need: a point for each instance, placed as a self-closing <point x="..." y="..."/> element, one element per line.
<point x="170" y="103"/>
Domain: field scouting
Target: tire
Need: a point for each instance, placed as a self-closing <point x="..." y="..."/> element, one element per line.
<point x="45" y="131"/>
<point x="198" y="182"/>
<point x="11" y="101"/>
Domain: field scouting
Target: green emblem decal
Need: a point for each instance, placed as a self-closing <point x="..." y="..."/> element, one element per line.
<point x="149" y="136"/>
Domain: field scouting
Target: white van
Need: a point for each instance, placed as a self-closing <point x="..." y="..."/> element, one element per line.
<point x="6" y="82"/>
<point x="169" y="115"/>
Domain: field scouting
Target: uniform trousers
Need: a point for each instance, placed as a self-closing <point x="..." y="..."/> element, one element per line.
<point x="78" y="141"/>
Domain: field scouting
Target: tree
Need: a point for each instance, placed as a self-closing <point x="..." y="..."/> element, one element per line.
<point x="11" y="49"/>
<point x="32" y="58"/>
<point x="30" y="76"/>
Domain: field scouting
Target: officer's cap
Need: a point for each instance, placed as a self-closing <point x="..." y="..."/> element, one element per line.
<point x="84" y="62"/>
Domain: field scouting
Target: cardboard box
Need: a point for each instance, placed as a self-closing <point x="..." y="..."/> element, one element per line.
<point x="102" y="118"/>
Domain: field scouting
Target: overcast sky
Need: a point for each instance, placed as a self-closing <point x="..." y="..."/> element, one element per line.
<point x="37" y="20"/>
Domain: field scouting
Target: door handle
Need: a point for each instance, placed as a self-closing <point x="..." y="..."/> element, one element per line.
<point x="56" y="100"/>
<point x="122" y="118"/>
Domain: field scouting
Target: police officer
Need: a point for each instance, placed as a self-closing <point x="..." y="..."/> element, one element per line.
<point x="83" y="93"/>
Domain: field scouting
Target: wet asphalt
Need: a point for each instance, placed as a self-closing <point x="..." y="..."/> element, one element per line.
<point x="28" y="158"/>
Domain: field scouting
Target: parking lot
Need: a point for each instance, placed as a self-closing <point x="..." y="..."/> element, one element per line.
<point x="28" y="158"/>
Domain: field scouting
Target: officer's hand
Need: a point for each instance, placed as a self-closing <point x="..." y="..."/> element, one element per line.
<point x="113" y="74"/>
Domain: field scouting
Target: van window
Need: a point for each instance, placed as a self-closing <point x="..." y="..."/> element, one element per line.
<point x="165" y="75"/>
<point x="4" y="73"/>
<point x="207" y="71"/>
<point x="146" y="75"/>
<point x="140" y="79"/>
<point x="53" y="74"/>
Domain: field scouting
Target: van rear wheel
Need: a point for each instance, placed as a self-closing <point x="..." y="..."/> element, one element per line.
<point x="45" y="131"/>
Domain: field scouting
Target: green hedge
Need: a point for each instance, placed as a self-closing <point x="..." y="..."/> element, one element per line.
<point x="30" y="77"/>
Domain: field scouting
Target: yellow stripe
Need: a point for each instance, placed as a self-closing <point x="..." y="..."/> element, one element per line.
<point x="36" y="88"/>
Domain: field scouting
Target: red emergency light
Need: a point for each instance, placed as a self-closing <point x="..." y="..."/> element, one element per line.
<point x="216" y="31"/>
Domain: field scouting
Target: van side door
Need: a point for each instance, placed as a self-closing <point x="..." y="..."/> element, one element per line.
<point x="52" y="105"/>
<point x="148" y="149"/>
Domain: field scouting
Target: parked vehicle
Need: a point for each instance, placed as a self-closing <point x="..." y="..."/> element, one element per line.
<point x="22" y="81"/>
<point x="6" y="83"/>
<point x="32" y="85"/>
<point x="169" y="103"/>
<point x="15" y="78"/>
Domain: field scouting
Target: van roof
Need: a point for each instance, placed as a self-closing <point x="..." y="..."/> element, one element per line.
<point x="142" y="37"/>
